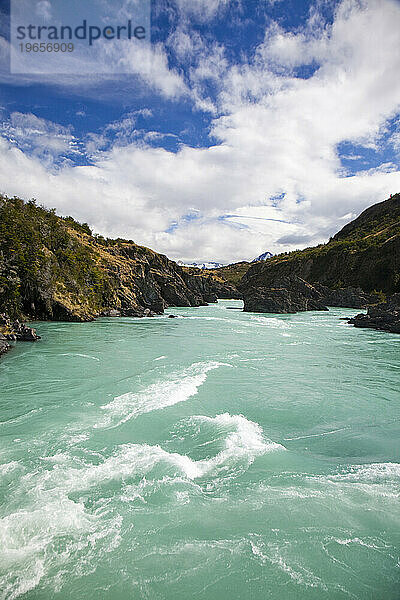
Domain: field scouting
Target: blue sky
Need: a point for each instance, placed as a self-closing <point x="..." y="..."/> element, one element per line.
<point x="248" y="126"/>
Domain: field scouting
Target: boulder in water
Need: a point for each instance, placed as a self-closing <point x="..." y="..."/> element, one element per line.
<point x="384" y="316"/>
<point x="14" y="331"/>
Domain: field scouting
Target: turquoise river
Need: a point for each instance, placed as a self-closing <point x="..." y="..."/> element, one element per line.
<point x="216" y="456"/>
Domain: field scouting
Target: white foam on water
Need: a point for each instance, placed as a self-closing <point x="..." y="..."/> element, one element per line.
<point x="182" y="498"/>
<point x="205" y="318"/>
<point x="244" y="441"/>
<point x="9" y="467"/>
<point x="21" y="417"/>
<point x="76" y="439"/>
<point x="26" y="532"/>
<point x="265" y="492"/>
<point x="263" y="359"/>
<point x="377" y="484"/>
<point x="374" y="472"/>
<point x="139" y="492"/>
<point x="251" y="321"/>
<point x="376" y="480"/>
<point x="178" y="387"/>
<point x="141" y="319"/>
<point x="80" y="355"/>
<point x="274" y="555"/>
<point x="273" y="322"/>
<point x="29" y="539"/>
<point x="371" y="544"/>
<point x="53" y="529"/>
<point x="303" y="437"/>
<point x="242" y="444"/>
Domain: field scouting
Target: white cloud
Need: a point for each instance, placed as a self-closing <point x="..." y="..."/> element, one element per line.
<point x="203" y="10"/>
<point x="101" y="69"/>
<point x="277" y="136"/>
<point x="151" y="65"/>
<point x="205" y="64"/>
<point x="394" y="139"/>
<point x="40" y="137"/>
<point x="43" y="9"/>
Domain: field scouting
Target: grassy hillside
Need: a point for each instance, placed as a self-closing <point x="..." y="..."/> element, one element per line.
<point x="365" y="253"/>
<point x="54" y="268"/>
<point x="232" y="273"/>
<point x="380" y="221"/>
<point x="40" y="258"/>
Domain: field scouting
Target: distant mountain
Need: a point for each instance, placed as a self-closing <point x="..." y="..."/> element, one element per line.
<point x="263" y="256"/>
<point x="228" y="268"/>
<point x="204" y="265"/>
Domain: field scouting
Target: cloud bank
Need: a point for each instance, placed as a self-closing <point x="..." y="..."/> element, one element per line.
<point x="273" y="178"/>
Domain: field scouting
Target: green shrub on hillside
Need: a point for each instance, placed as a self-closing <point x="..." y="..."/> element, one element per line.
<point x="37" y="253"/>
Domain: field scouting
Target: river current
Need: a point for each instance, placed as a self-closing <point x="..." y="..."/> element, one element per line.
<point x="215" y="456"/>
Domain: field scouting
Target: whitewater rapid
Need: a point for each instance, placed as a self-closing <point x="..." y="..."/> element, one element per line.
<point x="205" y="456"/>
<point x="28" y="534"/>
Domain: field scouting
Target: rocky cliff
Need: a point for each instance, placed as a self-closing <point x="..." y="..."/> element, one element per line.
<point x="54" y="268"/>
<point x="357" y="267"/>
<point x="283" y="295"/>
<point x="364" y="254"/>
<point x="384" y="316"/>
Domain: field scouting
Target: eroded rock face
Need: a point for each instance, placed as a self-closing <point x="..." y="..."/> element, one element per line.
<point x="384" y="316"/>
<point x="136" y="282"/>
<point x="209" y="287"/>
<point x="4" y="345"/>
<point x="349" y="297"/>
<point x="265" y="292"/>
<point x="24" y="333"/>
<point x="14" y="331"/>
<point x="365" y="254"/>
<point x="59" y="271"/>
<point x="147" y="283"/>
<point x="284" y="295"/>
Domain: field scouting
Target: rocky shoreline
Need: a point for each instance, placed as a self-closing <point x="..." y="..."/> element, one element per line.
<point x="13" y="331"/>
<point x="287" y="295"/>
<point x="348" y="297"/>
<point x="290" y="294"/>
<point x="58" y="270"/>
<point x="383" y="317"/>
<point x="70" y="274"/>
<point x="345" y="272"/>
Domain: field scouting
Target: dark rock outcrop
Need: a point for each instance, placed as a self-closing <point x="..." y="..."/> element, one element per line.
<point x="349" y="297"/>
<point x="112" y="312"/>
<point x="293" y="294"/>
<point x="283" y="295"/>
<point x="364" y="254"/>
<point x="57" y="270"/>
<point x="210" y="286"/>
<point x="23" y="333"/>
<point x="14" y="331"/>
<point x="384" y="316"/>
<point x="345" y="272"/>
<point x="4" y="345"/>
